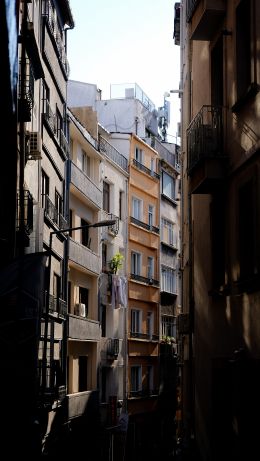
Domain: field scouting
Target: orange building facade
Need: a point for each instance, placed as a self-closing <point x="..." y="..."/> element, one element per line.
<point x="143" y="283"/>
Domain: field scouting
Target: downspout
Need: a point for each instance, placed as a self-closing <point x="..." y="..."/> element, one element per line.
<point x="20" y="247"/>
<point x="125" y="380"/>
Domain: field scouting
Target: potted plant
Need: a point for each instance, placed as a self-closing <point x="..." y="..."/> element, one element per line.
<point x="116" y="262"/>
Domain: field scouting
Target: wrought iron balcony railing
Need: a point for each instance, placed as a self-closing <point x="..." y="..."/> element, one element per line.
<point x="27" y="210"/>
<point x="191" y="6"/>
<point x="57" y="307"/>
<point x="205" y="136"/>
<point x="112" y="153"/>
<point x="140" y="278"/>
<point x="146" y="170"/>
<point x="144" y="225"/>
<point x="113" y="347"/>
<point x="147" y="336"/>
<point x="144" y="393"/>
<point x="53" y="214"/>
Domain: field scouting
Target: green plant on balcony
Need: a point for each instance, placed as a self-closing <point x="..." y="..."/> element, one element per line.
<point x="116" y="262"/>
<point x="168" y="340"/>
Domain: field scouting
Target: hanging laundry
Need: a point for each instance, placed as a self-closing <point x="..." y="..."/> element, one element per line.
<point x="118" y="295"/>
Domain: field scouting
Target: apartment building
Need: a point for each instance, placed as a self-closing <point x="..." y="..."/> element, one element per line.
<point x="133" y="121"/>
<point x="84" y="266"/>
<point x="42" y="202"/>
<point x="220" y="76"/>
<point x="97" y="319"/>
<point x="144" y="283"/>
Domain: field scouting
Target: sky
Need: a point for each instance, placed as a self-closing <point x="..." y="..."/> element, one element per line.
<point x="127" y="41"/>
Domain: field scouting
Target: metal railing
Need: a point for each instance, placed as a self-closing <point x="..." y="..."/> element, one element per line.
<point x="57" y="306"/>
<point x="144" y="225"/>
<point x="191" y="6"/>
<point x="144" y="393"/>
<point x="205" y="135"/>
<point x="113" y="347"/>
<point x="112" y="153"/>
<point x="148" y="281"/>
<point x="52" y="213"/>
<point x="28" y="212"/>
<point x="146" y="170"/>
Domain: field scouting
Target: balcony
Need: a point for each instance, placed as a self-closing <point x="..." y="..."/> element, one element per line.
<point x="113" y="348"/>
<point x="83" y="329"/>
<point x="52" y="213"/>
<point x="148" y="281"/>
<point x="25" y="92"/>
<point x="112" y="153"/>
<point x="144" y="225"/>
<point x="84" y="185"/>
<point x="27" y="210"/>
<point x="205" y="17"/>
<point x="146" y="336"/>
<point x="83" y="403"/>
<point x="114" y="228"/>
<point x="146" y="170"/>
<point x="144" y="393"/>
<point x="206" y="159"/>
<point x="57" y="308"/>
<point x="54" y="389"/>
<point x="84" y="257"/>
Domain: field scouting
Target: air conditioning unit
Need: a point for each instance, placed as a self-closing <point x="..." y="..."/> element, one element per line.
<point x="80" y="309"/>
<point x="33" y="150"/>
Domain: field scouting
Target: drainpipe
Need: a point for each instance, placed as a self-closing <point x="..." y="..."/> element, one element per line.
<point x="20" y="248"/>
<point x="125" y="381"/>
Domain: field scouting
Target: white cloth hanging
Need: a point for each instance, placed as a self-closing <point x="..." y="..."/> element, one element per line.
<point x="118" y="295"/>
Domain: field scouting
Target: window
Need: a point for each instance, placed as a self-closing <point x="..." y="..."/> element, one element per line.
<point x="71" y="148"/>
<point x="137" y="208"/>
<point x="135" y="321"/>
<point x="149" y="323"/>
<point x="168" y="232"/>
<point x="46" y="98"/>
<point x="150" y="215"/>
<point x="44" y="187"/>
<point x="58" y="202"/>
<point x="103" y="320"/>
<point x="136" y="378"/>
<point x="83" y="373"/>
<point x="150" y="267"/>
<point x="85" y="233"/>
<point x="135" y="263"/>
<point x="149" y="378"/>
<point x="56" y="286"/>
<point x="121" y="196"/>
<point x="83" y="298"/>
<point x="152" y="164"/>
<point x="104" y="257"/>
<point x="168" y="326"/>
<point x="69" y="296"/>
<point x="106" y="197"/>
<point x="168" y="185"/>
<point x="71" y="222"/>
<point x="168" y="280"/>
<point x="248" y="247"/>
<point x="138" y="155"/>
<point x="104" y="380"/>
<point x="59" y="123"/>
<point x="243" y="47"/>
<point x="85" y="163"/>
